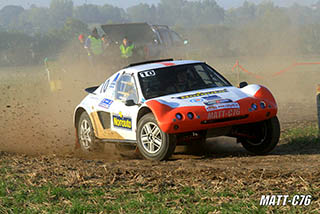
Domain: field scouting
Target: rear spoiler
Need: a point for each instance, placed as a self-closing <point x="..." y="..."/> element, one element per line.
<point x="91" y="89"/>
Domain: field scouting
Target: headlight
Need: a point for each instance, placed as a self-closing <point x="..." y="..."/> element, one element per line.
<point x="254" y="106"/>
<point x="263" y="105"/>
<point x="179" y="116"/>
<point x="190" y="115"/>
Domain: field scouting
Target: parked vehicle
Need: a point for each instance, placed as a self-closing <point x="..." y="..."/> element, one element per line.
<point x="151" y="41"/>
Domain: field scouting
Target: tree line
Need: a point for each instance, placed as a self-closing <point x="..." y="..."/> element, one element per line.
<point x="252" y="29"/>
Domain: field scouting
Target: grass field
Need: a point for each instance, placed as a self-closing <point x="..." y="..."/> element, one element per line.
<point x="70" y="185"/>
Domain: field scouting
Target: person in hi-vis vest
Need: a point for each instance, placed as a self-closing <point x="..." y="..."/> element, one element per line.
<point x="94" y="47"/>
<point x="126" y="49"/>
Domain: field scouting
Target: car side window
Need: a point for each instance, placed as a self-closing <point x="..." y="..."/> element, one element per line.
<point x="203" y="74"/>
<point x="126" y="89"/>
<point x="176" y="39"/>
<point x="165" y="37"/>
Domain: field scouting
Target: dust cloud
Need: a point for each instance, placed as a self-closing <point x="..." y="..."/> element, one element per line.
<point x="35" y="120"/>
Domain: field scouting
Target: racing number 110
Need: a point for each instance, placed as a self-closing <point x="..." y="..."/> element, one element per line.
<point x="147" y="74"/>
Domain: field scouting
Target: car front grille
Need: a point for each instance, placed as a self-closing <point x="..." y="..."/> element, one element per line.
<point x="225" y="119"/>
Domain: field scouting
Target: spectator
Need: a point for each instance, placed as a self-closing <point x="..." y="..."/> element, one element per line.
<point x="94" y="47"/>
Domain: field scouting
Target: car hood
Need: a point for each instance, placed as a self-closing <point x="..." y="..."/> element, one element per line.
<point x="204" y="97"/>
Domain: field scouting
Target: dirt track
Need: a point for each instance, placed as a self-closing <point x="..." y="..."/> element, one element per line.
<point x="37" y="143"/>
<point x="37" y="121"/>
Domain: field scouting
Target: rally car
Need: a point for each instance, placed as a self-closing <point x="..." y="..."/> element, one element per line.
<point x="157" y="105"/>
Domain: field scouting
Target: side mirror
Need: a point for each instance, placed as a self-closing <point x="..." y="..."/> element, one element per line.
<point x="243" y="84"/>
<point x="130" y="103"/>
<point x="185" y="42"/>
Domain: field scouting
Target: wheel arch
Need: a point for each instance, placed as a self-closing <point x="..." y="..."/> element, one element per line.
<point x="77" y="114"/>
<point x="143" y="111"/>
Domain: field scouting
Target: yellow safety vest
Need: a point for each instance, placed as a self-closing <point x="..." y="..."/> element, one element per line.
<point x="96" y="46"/>
<point x="126" y="52"/>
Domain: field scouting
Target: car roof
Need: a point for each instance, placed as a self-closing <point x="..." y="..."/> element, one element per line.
<point x="156" y="65"/>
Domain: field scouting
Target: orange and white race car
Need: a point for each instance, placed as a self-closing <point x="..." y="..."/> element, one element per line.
<point x="157" y="105"/>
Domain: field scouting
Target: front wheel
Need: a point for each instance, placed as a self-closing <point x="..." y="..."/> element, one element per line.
<point x="85" y="132"/>
<point x="266" y="134"/>
<point x="153" y="143"/>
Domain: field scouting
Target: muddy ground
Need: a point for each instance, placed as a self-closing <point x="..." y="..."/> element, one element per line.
<point x="36" y="127"/>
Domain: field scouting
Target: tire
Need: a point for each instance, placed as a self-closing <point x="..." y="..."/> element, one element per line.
<point x="85" y="132"/>
<point x="152" y="142"/>
<point x="268" y="133"/>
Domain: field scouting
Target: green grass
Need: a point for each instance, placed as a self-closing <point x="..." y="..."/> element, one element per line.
<point x="302" y="136"/>
<point x="231" y="193"/>
<point x="17" y="196"/>
<point x="305" y="135"/>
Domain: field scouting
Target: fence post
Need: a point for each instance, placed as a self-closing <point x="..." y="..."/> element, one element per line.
<point x="238" y="71"/>
<point x="318" y="106"/>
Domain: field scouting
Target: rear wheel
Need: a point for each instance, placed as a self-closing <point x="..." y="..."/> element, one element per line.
<point x="153" y="143"/>
<point x="85" y="132"/>
<point x="266" y="134"/>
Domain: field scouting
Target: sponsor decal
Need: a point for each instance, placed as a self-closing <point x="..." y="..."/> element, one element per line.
<point x="213" y="102"/>
<point x="114" y="81"/>
<point x="213" y="97"/>
<point x="106" y="103"/>
<point x="167" y="63"/>
<point x="196" y="100"/>
<point x="201" y="94"/>
<point x="122" y="122"/>
<point x="170" y="104"/>
<point x="223" y="114"/>
<point x="144" y="74"/>
<point x="223" y="106"/>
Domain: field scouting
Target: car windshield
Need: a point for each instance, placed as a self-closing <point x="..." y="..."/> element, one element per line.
<point x="175" y="79"/>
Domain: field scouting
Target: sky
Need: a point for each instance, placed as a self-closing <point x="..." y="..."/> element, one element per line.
<point x="127" y="3"/>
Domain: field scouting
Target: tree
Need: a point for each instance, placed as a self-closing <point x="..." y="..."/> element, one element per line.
<point x="9" y="15"/>
<point x="60" y="10"/>
<point x="242" y="15"/>
<point x="35" y="20"/>
<point x="142" y="13"/>
<point x="73" y="27"/>
<point x="93" y="14"/>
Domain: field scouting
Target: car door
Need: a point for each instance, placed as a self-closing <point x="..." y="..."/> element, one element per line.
<point x="101" y="114"/>
<point x="124" y="110"/>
